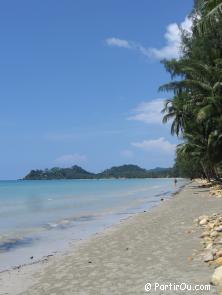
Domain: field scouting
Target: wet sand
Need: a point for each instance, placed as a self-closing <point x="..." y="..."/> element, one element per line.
<point x="161" y="246"/>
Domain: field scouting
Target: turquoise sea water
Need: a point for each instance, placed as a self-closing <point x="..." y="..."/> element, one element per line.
<point x="38" y="218"/>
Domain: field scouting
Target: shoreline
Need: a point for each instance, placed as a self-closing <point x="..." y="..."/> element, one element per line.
<point x="114" y="221"/>
<point x="30" y="279"/>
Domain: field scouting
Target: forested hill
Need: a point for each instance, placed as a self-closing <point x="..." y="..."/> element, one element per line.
<point x="76" y="172"/>
<point x="134" y="171"/>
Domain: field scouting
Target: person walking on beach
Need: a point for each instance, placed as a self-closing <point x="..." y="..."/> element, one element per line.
<point x="175" y="181"/>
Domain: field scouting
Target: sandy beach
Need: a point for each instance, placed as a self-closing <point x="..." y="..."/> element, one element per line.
<point x="161" y="246"/>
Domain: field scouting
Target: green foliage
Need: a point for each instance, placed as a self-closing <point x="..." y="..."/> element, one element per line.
<point x="134" y="171"/>
<point x="196" y="106"/>
<point x="187" y="167"/>
<point x="211" y="12"/>
<point x="76" y="172"/>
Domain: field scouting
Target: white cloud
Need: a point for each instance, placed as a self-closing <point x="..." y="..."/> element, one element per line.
<point x="127" y="153"/>
<point x="70" y="159"/>
<point x="128" y="45"/>
<point x="170" y="50"/>
<point x="118" y="42"/>
<point x="158" y="145"/>
<point x="149" y="112"/>
<point x="173" y="40"/>
<point x="187" y="24"/>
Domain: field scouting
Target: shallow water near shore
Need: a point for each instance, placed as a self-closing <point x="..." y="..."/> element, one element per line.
<point x="40" y="218"/>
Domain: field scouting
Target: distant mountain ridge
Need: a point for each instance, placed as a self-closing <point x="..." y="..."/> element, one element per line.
<point x="124" y="171"/>
<point x="76" y="172"/>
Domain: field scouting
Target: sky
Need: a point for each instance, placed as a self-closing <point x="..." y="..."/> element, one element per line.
<point x="79" y="83"/>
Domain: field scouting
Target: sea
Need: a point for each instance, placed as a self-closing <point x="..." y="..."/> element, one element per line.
<point x="45" y="217"/>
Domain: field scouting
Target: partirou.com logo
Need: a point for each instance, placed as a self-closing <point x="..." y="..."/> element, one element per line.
<point x="154" y="287"/>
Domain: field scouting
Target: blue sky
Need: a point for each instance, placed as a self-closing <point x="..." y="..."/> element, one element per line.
<point x="79" y="82"/>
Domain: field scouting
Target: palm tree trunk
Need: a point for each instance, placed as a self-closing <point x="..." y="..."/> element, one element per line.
<point x="217" y="173"/>
<point x="205" y="170"/>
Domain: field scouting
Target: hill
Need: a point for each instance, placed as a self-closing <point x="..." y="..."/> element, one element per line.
<point x="124" y="171"/>
<point x="76" y="172"/>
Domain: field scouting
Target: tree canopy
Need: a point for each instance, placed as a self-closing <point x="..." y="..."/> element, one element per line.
<point x="196" y="84"/>
<point x="124" y="171"/>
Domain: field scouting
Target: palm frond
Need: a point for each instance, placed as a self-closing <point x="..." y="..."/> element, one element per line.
<point x="211" y="14"/>
<point x="205" y="113"/>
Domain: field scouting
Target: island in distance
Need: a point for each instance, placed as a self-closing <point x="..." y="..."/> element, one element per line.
<point x="124" y="171"/>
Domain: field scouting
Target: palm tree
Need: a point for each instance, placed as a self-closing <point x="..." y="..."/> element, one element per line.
<point x="196" y="111"/>
<point x="211" y="13"/>
<point x="195" y="107"/>
<point x="174" y="109"/>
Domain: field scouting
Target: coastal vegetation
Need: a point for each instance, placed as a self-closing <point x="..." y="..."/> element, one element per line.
<point x="76" y="172"/>
<point x="196" y="83"/>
